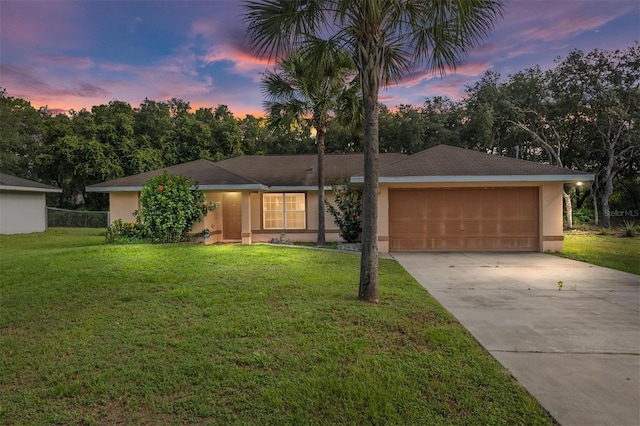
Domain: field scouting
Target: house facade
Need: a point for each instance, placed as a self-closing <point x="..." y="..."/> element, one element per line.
<point x="441" y="199"/>
<point x="23" y="206"/>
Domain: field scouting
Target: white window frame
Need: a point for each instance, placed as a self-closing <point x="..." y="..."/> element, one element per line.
<point x="284" y="211"/>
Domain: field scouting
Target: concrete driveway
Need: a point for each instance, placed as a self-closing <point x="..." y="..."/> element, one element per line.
<point x="577" y="350"/>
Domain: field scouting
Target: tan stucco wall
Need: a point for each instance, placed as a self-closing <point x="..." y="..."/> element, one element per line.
<point x="22" y="212"/>
<point x="312" y="211"/>
<point x="551" y="211"/>
<point x="256" y="211"/>
<point x="550" y="199"/>
<point x="246" y="220"/>
<point x="122" y="205"/>
<point x="213" y="220"/>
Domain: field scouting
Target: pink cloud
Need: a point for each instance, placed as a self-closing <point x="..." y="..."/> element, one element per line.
<point x="44" y="90"/>
<point x="564" y="27"/>
<point x="73" y="87"/>
<point x="66" y="62"/>
<point x="470" y="68"/>
<point x="536" y="26"/>
<point x="452" y="88"/>
<point x="242" y="63"/>
<point x="227" y="45"/>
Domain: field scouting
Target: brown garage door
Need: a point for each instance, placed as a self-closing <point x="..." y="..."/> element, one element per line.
<point x="464" y="219"/>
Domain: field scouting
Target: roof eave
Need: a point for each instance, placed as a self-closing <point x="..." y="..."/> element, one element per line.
<point x="479" y="179"/>
<point x="138" y="188"/>
<point x="292" y="188"/>
<point x="240" y="187"/>
<point x="28" y="189"/>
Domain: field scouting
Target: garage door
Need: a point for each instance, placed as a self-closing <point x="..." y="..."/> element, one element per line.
<point x="464" y="219"/>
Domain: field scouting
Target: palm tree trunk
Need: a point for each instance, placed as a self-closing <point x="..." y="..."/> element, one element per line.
<point x="321" y="225"/>
<point x="368" y="288"/>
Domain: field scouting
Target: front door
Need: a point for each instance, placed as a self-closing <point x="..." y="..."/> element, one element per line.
<point x="231" y="216"/>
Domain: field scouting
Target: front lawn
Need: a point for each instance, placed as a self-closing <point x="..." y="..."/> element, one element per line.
<point x="229" y="334"/>
<point x="611" y="251"/>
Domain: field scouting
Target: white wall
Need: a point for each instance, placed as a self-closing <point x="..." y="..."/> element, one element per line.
<point x="22" y="212"/>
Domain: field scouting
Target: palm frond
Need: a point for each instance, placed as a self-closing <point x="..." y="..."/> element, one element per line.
<point x="275" y="27"/>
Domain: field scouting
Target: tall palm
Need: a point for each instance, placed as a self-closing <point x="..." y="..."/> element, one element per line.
<point x="300" y="90"/>
<point x="386" y="40"/>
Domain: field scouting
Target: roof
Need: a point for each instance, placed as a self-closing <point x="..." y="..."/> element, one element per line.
<point x="285" y="171"/>
<point x="207" y="174"/>
<point x="441" y="163"/>
<point x="14" y="183"/>
<point x="255" y="172"/>
<point x="444" y="163"/>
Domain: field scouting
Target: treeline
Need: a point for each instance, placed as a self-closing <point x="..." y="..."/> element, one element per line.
<point x="115" y="140"/>
<point x="582" y="114"/>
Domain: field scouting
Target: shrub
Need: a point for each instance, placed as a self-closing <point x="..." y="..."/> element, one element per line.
<point x="348" y="214"/>
<point x="606" y="232"/>
<point x="169" y="207"/>
<point x="123" y="232"/>
<point x="583" y="215"/>
<point x="629" y="228"/>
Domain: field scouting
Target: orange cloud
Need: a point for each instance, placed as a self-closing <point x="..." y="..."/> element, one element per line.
<point x="243" y="63"/>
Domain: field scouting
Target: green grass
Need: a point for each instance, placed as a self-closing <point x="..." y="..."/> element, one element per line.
<point x="178" y="334"/>
<point x="610" y="251"/>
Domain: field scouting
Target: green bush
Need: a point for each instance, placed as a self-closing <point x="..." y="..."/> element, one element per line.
<point x="348" y="214"/>
<point x="123" y="232"/>
<point x="169" y="208"/>
<point x="629" y="229"/>
<point x="583" y="215"/>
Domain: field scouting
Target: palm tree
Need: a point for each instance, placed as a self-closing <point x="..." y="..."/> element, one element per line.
<point x="386" y="40"/>
<point x="299" y="90"/>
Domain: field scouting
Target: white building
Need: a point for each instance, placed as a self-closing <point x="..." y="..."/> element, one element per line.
<point x="23" y="205"/>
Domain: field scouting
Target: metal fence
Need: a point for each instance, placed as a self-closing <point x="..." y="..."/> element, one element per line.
<point x="62" y="218"/>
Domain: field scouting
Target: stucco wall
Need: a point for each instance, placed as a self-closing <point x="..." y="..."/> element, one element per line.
<point x="312" y="211"/>
<point x="551" y="212"/>
<point x="22" y="212"/>
<point x="256" y="211"/>
<point x="213" y="220"/>
<point x="122" y="205"/>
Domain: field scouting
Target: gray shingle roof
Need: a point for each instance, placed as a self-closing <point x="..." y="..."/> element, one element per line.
<point x="448" y="161"/>
<point x="254" y="172"/>
<point x="301" y="170"/>
<point x="441" y="163"/>
<point x="14" y="183"/>
<point x="203" y="172"/>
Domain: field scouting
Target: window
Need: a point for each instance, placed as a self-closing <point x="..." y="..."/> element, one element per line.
<point x="283" y="211"/>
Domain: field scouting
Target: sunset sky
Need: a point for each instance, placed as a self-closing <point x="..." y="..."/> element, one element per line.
<point x="77" y="54"/>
